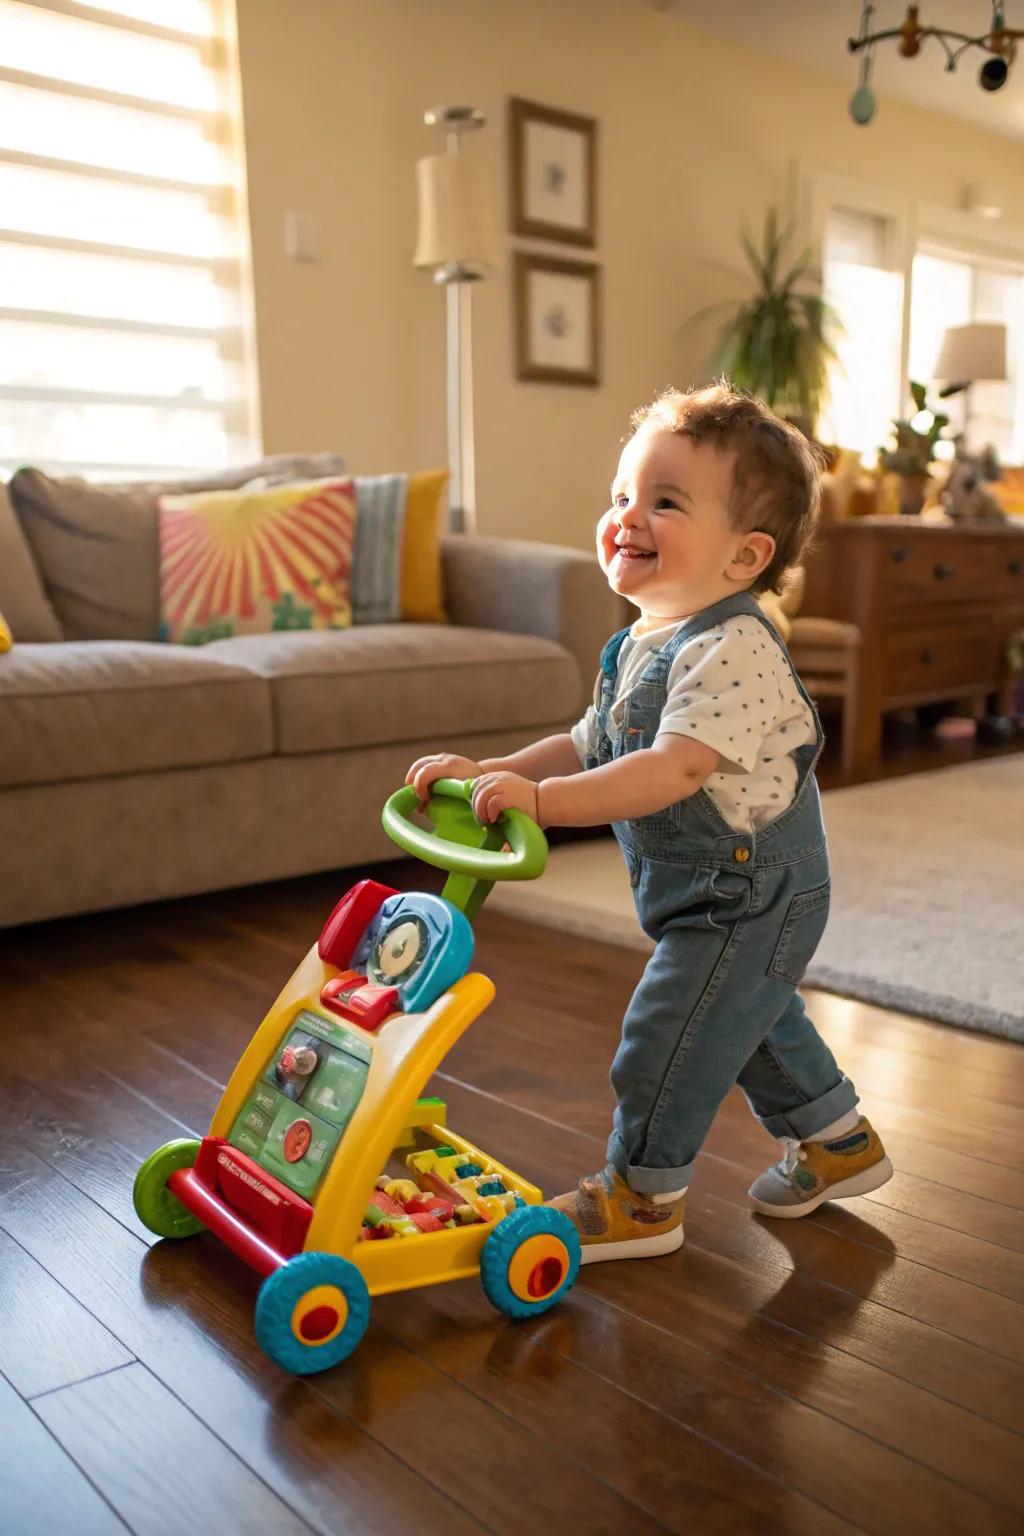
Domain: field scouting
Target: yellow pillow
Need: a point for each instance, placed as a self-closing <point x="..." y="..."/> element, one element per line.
<point x="5" y="635"/>
<point x="422" y="599"/>
<point x="248" y="562"/>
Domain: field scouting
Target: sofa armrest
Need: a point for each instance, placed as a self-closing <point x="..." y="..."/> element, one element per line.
<point x="533" y="589"/>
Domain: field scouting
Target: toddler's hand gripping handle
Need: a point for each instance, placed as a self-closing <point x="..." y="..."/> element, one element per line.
<point x="529" y="847"/>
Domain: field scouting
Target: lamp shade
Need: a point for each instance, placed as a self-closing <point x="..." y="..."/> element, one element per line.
<point x="453" y="216"/>
<point x="971" y="352"/>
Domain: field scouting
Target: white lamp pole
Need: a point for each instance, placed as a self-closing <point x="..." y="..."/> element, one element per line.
<point x="452" y="243"/>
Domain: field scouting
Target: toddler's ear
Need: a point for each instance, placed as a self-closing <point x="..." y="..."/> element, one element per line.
<point x="756" y="553"/>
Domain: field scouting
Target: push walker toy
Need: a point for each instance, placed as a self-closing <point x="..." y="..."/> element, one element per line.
<point x="327" y="1093"/>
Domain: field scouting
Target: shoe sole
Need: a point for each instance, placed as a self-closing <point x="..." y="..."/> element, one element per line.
<point x="633" y="1247"/>
<point x="861" y="1184"/>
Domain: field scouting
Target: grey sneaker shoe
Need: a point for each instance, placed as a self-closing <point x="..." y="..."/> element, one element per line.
<point x="814" y="1171"/>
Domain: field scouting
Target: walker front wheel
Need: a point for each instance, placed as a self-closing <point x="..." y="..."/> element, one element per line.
<point x="312" y="1312"/>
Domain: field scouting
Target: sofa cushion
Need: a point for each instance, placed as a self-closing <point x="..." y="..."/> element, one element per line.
<point x="24" y="603"/>
<point x="96" y="546"/>
<point x="80" y="711"/>
<point x="405" y="682"/>
<point x="246" y="562"/>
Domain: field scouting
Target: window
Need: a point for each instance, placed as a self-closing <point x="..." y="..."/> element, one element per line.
<point x="125" y="315"/>
<point x="951" y="288"/>
<point x="863" y="391"/>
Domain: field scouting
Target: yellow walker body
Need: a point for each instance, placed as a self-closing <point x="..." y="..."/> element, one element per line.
<point x="328" y="1091"/>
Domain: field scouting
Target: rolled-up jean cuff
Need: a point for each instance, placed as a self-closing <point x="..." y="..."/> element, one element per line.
<point x="647" y="1181"/>
<point x="807" y="1119"/>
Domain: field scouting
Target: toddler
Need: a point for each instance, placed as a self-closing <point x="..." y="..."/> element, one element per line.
<point x="699" y="750"/>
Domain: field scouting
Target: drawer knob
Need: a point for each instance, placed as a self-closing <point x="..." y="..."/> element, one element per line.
<point x="900" y="554"/>
<point x="1016" y="567"/>
<point x="928" y="656"/>
<point x="943" y="572"/>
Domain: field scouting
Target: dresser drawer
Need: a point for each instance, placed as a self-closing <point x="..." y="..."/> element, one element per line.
<point x="934" y="567"/>
<point x="935" y="657"/>
<point x="1009" y="573"/>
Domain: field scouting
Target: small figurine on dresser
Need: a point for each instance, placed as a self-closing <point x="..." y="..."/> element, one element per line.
<point x="966" y="496"/>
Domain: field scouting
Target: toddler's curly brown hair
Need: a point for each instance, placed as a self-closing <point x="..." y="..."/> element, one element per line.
<point x="776" y="474"/>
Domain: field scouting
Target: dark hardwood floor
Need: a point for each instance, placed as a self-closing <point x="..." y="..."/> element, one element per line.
<point x="858" y="1371"/>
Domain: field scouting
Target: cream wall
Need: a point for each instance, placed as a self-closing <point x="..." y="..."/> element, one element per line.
<point x="696" y="136"/>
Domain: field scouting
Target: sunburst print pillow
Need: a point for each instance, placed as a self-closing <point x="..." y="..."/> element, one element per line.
<point x="248" y="562"/>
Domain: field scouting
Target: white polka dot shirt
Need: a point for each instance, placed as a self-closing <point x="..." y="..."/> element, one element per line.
<point x="731" y="688"/>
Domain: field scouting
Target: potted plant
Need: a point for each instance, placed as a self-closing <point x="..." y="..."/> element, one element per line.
<point x="778" y="343"/>
<point x="911" y="450"/>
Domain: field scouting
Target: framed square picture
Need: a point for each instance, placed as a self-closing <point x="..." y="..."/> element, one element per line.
<point x="557" y="317"/>
<point x="553" y="173"/>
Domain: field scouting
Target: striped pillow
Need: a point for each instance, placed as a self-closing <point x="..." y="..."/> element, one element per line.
<point x="396" y="567"/>
<point x="248" y="562"/>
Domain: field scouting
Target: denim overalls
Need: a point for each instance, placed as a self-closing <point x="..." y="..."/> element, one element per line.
<point x="736" y="917"/>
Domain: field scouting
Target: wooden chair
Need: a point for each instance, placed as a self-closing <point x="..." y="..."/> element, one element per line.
<point x="826" y="653"/>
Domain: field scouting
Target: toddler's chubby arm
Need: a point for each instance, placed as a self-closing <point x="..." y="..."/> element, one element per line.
<point x="640" y="783"/>
<point x="550" y="758"/>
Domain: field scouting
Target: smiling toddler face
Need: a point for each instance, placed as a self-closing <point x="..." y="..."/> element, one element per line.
<point x="667" y="542"/>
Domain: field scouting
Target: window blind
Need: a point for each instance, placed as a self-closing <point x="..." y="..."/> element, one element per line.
<point x="126" y="335"/>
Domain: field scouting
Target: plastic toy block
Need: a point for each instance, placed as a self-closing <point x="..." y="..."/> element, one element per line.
<point x="403" y="1226"/>
<point x="427" y="1222"/>
<point x="438" y="1186"/>
<point x="491" y="1208"/>
<point x="465" y="1215"/>
<point x="431" y="1203"/>
<point x="491" y="1187"/>
<point x="402" y="1190"/>
<point x="428" y="1161"/>
<point x="382" y="1230"/>
<point x="445" y="1152"/>
<point x="383" y="1208"/>
<point x="468" y="1170"/>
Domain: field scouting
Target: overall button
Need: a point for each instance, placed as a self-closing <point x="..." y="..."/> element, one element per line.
<point x="741" y="855"/>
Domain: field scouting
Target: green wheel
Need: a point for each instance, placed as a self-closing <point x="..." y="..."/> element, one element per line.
<point x="155" y="1206"/>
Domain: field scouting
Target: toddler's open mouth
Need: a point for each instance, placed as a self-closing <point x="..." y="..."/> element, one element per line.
<point x="632" y="552"/>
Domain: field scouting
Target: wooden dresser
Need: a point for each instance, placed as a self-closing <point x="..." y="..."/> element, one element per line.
<point x="935" y="606"/>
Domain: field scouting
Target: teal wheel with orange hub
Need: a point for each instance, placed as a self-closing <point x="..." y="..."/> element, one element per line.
<point x="155" y="1206"/>
<point x="530" y="1261"/>
<point x="312" y="1312"/>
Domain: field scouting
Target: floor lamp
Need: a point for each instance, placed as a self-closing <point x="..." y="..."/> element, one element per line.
<point x="453" y="244"/>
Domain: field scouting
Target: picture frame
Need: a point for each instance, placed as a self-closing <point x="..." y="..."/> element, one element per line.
<point x="552" y="173"/>
<point x="557" y="320"/>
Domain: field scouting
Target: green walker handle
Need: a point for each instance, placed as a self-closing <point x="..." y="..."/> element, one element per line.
<point x="456" y="844"/>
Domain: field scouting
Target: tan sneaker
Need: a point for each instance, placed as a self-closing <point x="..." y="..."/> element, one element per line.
<point x="813" y="1171"/>
<point x="614" y="1222"/>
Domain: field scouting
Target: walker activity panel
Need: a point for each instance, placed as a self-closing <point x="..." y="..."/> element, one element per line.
<point x="294" y="1118"/>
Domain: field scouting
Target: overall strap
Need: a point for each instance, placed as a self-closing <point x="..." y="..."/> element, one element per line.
<point x="610" y="653"/>
<point x="727" y="608"/>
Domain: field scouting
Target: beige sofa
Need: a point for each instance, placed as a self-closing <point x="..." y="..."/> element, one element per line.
<point x="131" y="770"/>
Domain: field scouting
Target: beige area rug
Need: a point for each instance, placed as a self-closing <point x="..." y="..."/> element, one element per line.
<point x="927" y="895"/>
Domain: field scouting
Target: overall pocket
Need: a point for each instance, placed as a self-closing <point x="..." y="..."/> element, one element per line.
<point x="730" y="896"/>
<point x="801" y="934"/>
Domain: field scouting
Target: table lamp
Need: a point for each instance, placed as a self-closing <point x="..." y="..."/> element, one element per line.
<point x="970" y="353"/>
